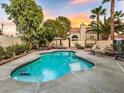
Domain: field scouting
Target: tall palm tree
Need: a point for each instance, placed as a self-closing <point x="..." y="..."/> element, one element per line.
<point x="96" y="13"/>
<point x="118" y="15"/>
<point x="112" y="11"/>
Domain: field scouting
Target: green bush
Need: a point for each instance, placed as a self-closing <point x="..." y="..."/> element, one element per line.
<point x="11" y="51"/>
<point x="1" y="52"/>
<point x="19" y="49"/>
<point x="5" y="53"/>
<point x="78" y="46"/>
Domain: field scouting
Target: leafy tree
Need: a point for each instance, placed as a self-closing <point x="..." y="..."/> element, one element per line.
<point x="49" y="30"/>
<point x="64" y="26"/>
<point x="27" y="16"/>
<point x="112" y="12"/>
<point x="54" y="28"/>
<point x="96" y="13"/>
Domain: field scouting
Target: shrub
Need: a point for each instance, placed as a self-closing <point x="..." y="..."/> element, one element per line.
<point x="19" y="49"/>
<point x="11" y="51"/>
<point x="1" y="52"/>
<point x="5" y="53"/>
<point x="78" y="46"/>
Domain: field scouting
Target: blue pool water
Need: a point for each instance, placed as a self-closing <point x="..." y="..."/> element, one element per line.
<point x="51" y="66"/>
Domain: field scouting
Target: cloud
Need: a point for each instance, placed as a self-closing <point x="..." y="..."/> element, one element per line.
<point x="76" y="18"/>
<point x="79" y="18"/>
<point x="48" y="15"/>
<point x="81" y="2"/>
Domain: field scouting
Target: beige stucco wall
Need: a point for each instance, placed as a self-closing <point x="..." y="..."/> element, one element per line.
<point x="6" y="41"/>
<point x="82" y="43"/>
<point x="9" y="30"/>
<point x="77" y="34"/>
<point x="82" y="33"/>
<point x="104" y="43"/>
<point x="66" y="43"/>
<point x="89" y="35"/>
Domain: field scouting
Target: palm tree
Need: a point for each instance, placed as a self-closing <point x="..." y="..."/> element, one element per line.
<point x="112" y="11"/>
<point x="96" y="13"/>
<point x="104" y="27"/>
<point x="118" y="15"/>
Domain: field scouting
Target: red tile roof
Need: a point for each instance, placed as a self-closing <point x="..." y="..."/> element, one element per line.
<point x="75" y="30"/>
<point x="91" y="32"/>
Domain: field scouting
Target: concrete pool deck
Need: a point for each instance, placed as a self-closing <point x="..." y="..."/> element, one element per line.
<point x="106" y="77"/>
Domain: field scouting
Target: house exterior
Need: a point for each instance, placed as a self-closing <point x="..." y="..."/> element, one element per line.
<point x="8" y="28"/>
<point x="82" y="34"/>
<point x="8" y="36"/>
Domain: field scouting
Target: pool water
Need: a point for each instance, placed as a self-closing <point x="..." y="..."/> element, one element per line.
<point x="51" y="66"/>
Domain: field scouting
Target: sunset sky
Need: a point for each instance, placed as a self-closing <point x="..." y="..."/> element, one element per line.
<point x="77" y="11"/>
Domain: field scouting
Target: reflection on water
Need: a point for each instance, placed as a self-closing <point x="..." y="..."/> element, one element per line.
<point x="75" y="66"/>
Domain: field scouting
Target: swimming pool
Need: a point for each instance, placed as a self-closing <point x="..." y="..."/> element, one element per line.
<point x="51" y="66"/>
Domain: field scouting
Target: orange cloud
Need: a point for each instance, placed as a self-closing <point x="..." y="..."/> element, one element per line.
<point x="79" y="18"/>
<point x="76" y="19"/>
<point x="48" y="15"/>
<point x="80" y="2"/>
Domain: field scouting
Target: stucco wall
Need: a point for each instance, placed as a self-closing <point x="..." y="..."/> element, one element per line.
<point x="82" y="43"/>
<point x="9" y="41"/>
<point x="9" y="30"/>
<point x="104" y="43"/>
<point x="77" y="34"/>
<point x="66" y="43"/>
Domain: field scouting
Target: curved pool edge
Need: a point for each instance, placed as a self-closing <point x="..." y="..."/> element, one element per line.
<point x="87" y="61"/>
<point x="53" y="51"/>
<point x="26" y="63"/>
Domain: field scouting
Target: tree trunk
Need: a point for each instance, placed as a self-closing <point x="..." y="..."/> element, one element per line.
<point x="1" y="33"/>
<point x="98" y="26"/>
<point x="97" y="36"/>
<point x="30" y="45"/>
<point x="112" y="19"/>
<point x="69" y="45"/>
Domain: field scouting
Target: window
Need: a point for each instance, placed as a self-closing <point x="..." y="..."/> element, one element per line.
<point x="74" y="38"/>
<point x="92" y="37"/>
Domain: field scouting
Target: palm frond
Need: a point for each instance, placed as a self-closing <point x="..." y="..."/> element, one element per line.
<point x="104" y="1"/>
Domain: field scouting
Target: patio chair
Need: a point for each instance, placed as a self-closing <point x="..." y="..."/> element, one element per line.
<point x="93" y="50"/>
